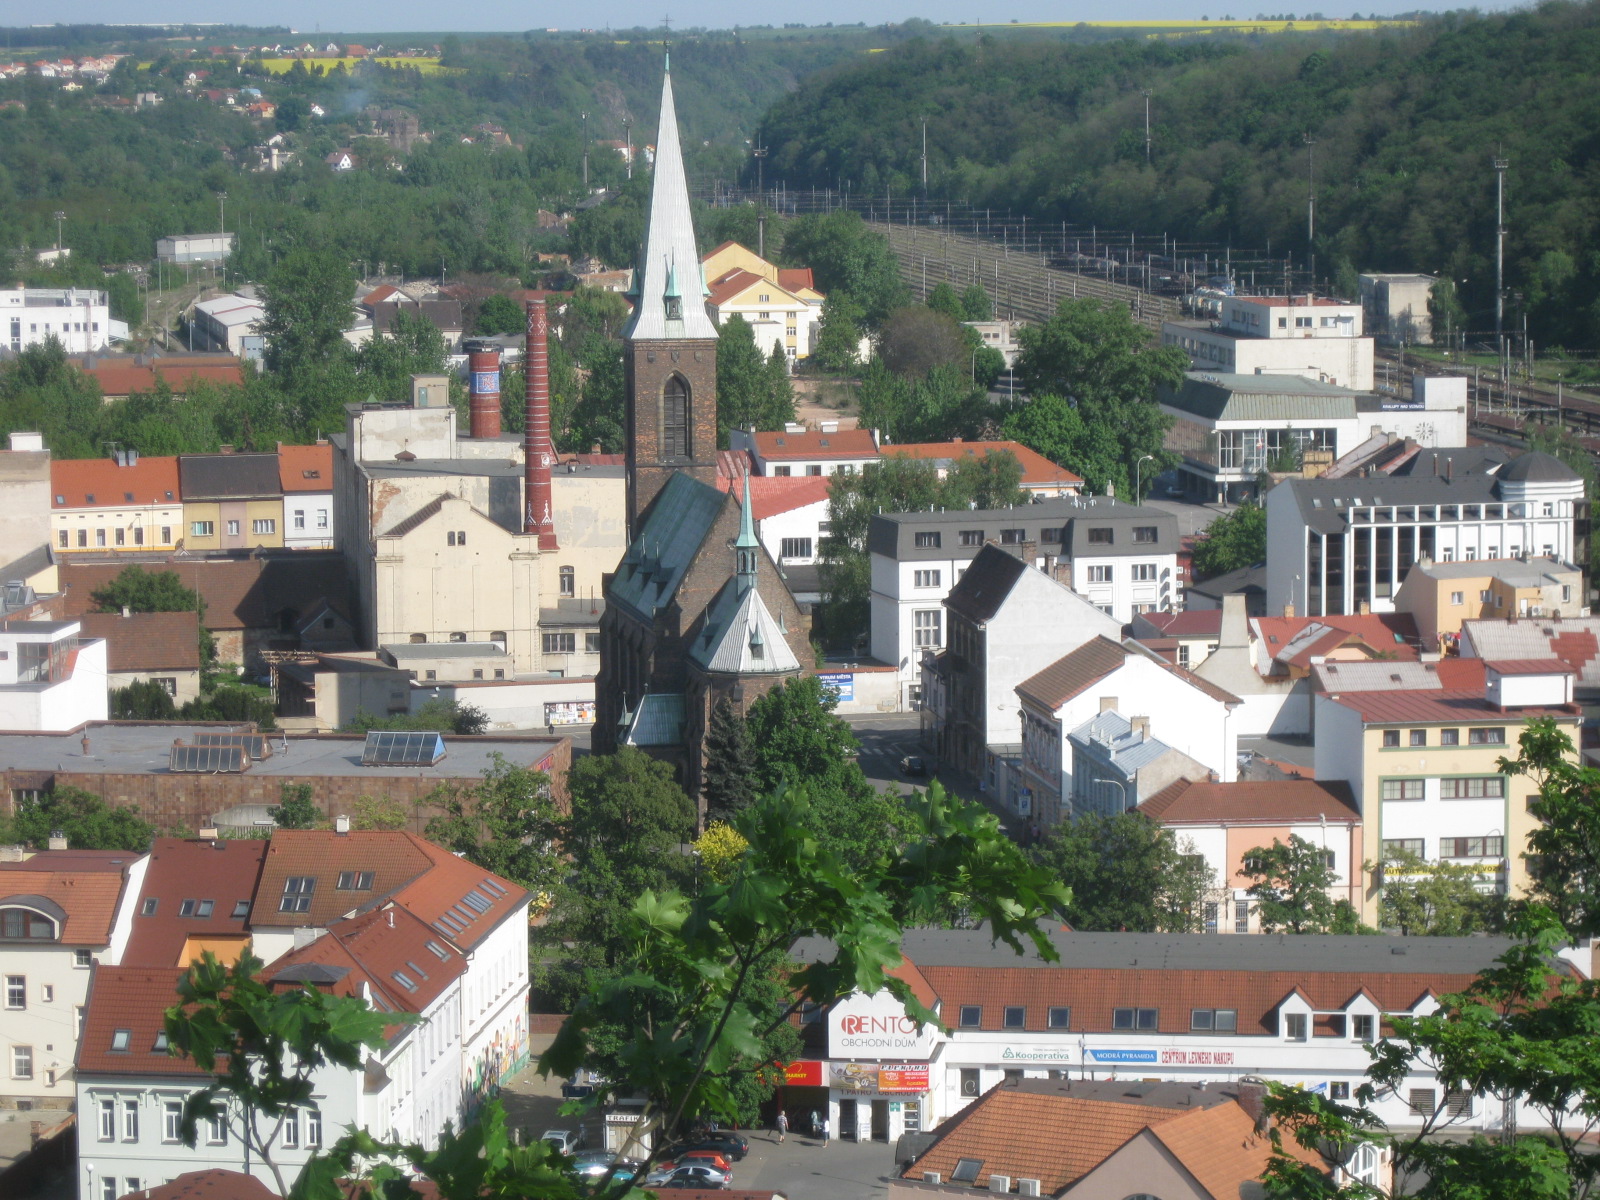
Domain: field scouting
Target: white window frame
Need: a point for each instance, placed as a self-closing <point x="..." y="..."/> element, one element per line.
<point x="927" y="627"/>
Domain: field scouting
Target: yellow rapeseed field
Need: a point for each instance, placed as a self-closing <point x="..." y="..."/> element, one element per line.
<point x="428" y="66"/>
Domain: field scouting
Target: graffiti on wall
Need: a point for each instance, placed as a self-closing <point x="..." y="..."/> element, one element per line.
<point x="504" y="1056"/>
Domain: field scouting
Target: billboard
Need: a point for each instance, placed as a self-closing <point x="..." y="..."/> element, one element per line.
<point x="842" y="682"/>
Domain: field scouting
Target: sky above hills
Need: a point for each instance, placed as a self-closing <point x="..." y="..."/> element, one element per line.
<point x="359" y="17"/>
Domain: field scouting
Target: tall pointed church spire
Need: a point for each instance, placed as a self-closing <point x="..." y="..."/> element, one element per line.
<point x="747" y="547"/>
<point x="669" y="261"/>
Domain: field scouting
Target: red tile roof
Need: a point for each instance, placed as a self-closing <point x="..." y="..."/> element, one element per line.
<point x="86" y="884"/>
<point x="1272" y="803"/>
<point x="1222" y="1150"/>
<point x="119" y="379"/>
<point x="846" y="443"/>
<point x="386" y="949"/>
<point x="1443" y="708"/>
<point x="774" y="494"/>
<point x="1530" y="666"/>
<point x="152" y="480"/>
<point x="730" y="285"/>
<point x="306" y="468"/>
<point x="147" y="641"/>
<point x="796" y="278"/>
<point x="223" y="872"/>
<point x="135" y="1000"/>
<point x="1294" y="641"/>
<point x="1037" y="470"/>
<point x="1199" y="622"/>
<point x="210" y="1184"/>
<point x="240" y="593"/>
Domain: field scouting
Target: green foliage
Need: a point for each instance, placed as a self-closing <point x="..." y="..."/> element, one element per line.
<point x="975" y="304"/>
<point x="753" y="391"/>
<point x="295" y="808"/>
<point x="308" y="298"/>
<point x="234" y="703"/>
<point x="146" y="591"/>
<point x="379" y="812"/>
<point x="1127" y="873"/>
<point x="1233" y="541"/>
<point x="684" y="1015"/>
<point x="729" y="781"/>
<point x="1095" y="356"/>
<point x="263" y="1047"/>
<point x="1564" y="846"/>
<point x="845" y="256"/>
<point x="88" y="822"/>
<point x="500" y="314"/>
<point x="943" y="299"/>
<point x="1520" y="1031"/>
<point x="1290" y="885"/>
<point x="943" y="405"/>
<point x="1438" y="899"/>
<point x="796" y="737"/>
<point x="917" y="339"/>
<point x="838" y="345"/>
<point x="142" y="700"/>
<point x="506" y="824"/>
<point x="441" y="716"/>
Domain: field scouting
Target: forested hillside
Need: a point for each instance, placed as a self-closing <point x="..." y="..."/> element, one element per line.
<point x="1405" y="125"/>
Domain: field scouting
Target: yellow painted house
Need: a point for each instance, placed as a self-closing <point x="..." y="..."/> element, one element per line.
<point x="231" y="501"/>
<point x="1440" y="596"/>
<point x="782" y="304"/>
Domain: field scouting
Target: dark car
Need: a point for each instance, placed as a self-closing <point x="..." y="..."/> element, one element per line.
<point x="732" y="1145"/>
<point x="911" y="764"/>
<point x="707" y="1178"/>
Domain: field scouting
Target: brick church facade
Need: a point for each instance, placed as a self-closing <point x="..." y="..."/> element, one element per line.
<point x="696" y="611"/>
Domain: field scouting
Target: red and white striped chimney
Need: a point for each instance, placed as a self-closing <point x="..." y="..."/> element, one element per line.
<point x="537" y="449"/>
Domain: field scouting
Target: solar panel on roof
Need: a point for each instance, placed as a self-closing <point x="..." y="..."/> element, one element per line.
<point x="405" y="748"/>
<point x="208" y="760"/>
<point x="476" y="902"/>
<point x="255" y="745"/>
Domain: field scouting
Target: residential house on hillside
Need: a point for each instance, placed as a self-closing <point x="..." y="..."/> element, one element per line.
<point x="443" y="315"/>
<point x="58" y="915"/>
<point x="123" y="504"/>
<point x="1335" y="545"/>
<point x="781" y="304"/>
<point x="1224" y="821"/>
<point x="1074" y="700"/>
<point x="163" y="647"/>
<point x="997" y="623"/>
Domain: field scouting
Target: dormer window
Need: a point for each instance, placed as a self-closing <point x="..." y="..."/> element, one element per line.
<point x="674" y="305"/>
<point x="24" y="923"/>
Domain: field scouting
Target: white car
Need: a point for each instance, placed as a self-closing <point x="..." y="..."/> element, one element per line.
<point x="568" y="1141"/>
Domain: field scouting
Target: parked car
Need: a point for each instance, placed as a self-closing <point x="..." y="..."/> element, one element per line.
<point x="568" y="1141"/>
<point x="734" y="1145"/>
<point x="591" y="1164"/>
<point x="708" y="1158"/>
<point x="690" y="1177"/>
<point x="912" y="764"/>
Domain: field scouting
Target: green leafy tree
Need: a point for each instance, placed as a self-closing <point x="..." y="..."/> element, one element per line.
<point x="1563" y="852"/>
<point x="844" y="255"/>
<point x="233" y="703"/>
<point x="749" y="394"/>
<point x="797" y="737"/>
<point x="943" y="299"/>
<point x="88" y="822"/>
<point x="144" y="591"/>
<point x="917" y="339"/>
<point x="1290" y="883"/>
<point x="264" y="1047"/>
<point x="1438" y="899"/>
<point x="1521" y="1032"/>
<point x="1095" y="355"/>
<point x="413" y="345"/>
<point x="506" y="824"/>
<point x="975" y="304"/>
<point x="441" y="716"/>
<point x="1125" y="872"/>
<point x="500" y="314"/>
<point x="1054" y="427"/>
<point x="295" y="808"/>
<point x="687" y="997"/>
<point x="729" y="784"/>
<point x="1233" y="541"/>
<point x="142" y="700"/>
<point x="838" y="345"/>
<point x="379" y="812"/>
<point x="307" y="298"/>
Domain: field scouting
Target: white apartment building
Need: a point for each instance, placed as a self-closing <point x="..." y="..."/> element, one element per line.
<point x="1186" y="1008"/>
<point x="78" y="318"/>
<point x="1334" y="545"/>
<point x="1121" y="558"/>
<point x="58" y="917"/>
<point x="1280" y="335"/>
<point x="1104" y="675"/>
<point x="50" y="676"/>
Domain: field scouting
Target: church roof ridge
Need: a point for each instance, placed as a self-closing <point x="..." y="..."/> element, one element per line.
<point x="669" y="247"/>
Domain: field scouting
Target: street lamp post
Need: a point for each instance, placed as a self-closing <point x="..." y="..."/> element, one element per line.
<point x="60" y="217"/>
<point x="1138" y="476"/>
<point x="585" y="119"/>
<point x="627" y="133"/>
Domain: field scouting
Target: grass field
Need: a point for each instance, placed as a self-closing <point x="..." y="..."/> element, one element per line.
<point x="1183" y="27"/>
<point x="428" y="66"/>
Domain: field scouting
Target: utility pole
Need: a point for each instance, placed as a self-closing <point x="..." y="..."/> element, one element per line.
<point x="760" y="155"/>
<point x="1500" y="165"/>
<point x="1311" y="207"/>
<point x="924" y="158"/>
<point x="60" y="217"/>
<point x="584" y="117"/>
<point x="627" y="132"/>
<point x="1147" y="127"/>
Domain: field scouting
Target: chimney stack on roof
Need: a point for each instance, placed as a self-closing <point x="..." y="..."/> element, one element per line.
<point x="537" y="450"/>
<point x="58" y="840"/>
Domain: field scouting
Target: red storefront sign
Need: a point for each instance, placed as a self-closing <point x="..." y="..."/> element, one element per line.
<point x="803" y="1073"/>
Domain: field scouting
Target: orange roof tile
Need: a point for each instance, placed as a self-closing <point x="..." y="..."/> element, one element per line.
<point x="730" y="285"/>
<point x="223" y="872"/>
<point x="774" y="494"/>
<point x="1445" y="708"/>
<point x="101" y="483"/>
<point x="85" y="884"/>
<point x="388" y="948"/>
<point x="210" y="1184"/>
<point x="305" y="468"/>
<point x="1037" y="470"/>
<point x="1221" y="1148"/>
<point x="1275" y="802"/>
<point x="118" y="379"/>
<point x="1294" y="641"/>
<point x="796" y="279"/>
<point x="846" y="443"/>
<point x="147" y="641"/>
<point x="130" y="1001"/>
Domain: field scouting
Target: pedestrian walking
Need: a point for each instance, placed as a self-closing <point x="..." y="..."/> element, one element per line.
<point x="783" y="1126"/>
<point x="824" y="1131"/>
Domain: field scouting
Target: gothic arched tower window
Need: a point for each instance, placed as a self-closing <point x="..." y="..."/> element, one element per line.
<point x="675" y="418"/>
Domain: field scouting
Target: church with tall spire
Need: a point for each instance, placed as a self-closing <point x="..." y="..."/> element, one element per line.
<point x="696" y="612"/>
